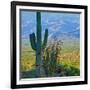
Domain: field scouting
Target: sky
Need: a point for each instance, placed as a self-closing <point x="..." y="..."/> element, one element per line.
<point x="61" y="25"/>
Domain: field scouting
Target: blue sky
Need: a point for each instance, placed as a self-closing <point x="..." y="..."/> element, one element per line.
<point x="58" y="24"/>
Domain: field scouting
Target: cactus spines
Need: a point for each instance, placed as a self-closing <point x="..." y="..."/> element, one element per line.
<point x="36" y="44"/>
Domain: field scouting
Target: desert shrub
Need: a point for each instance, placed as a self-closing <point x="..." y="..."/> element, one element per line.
<point x="50" y="57"/>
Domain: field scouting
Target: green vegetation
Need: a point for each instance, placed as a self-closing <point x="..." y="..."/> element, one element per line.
<point x="68" y="62"/>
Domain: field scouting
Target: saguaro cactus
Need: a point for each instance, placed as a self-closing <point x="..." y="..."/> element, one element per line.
<point x="37" y="44"/>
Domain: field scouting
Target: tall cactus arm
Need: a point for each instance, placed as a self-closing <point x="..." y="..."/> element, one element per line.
<point x="45" y="39"/>
<point x="38" y="32"/>
<point x="32" y="41"/>
<point x="38" y="26"/>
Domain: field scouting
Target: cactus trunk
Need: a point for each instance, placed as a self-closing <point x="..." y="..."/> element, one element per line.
<point x="38" y="52"/>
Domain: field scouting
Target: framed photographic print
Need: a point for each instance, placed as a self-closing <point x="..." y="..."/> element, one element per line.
<point x="48" y="44"/>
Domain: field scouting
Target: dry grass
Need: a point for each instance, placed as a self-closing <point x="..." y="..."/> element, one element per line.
<point x="70" y="59"/>
<point x="27" y="59"/>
